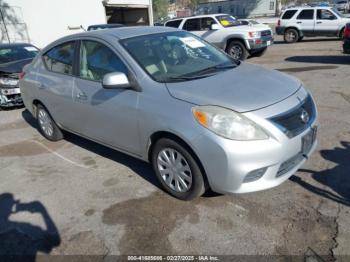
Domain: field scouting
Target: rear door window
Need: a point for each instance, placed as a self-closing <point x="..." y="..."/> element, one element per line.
<point x="307" y="14"/>
<point x="175" y="23"/>
<point x="192" y="24"/>
<point x="60" y="58"/>
<point x="288" y="14"/>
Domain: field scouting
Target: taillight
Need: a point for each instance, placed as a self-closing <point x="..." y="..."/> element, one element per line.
<point x="21" y="75"/>
<point x="347" y="32"/>
<point x="279" y="22"/>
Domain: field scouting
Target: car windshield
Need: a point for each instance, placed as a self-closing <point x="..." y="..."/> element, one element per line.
<point x="227" y="21"/>
<point x="177" y="56"/>
<point x="337" y="12"/>
<point x="14" y="53"/>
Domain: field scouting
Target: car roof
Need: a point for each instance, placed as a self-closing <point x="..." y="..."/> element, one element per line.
<point x="14" y="45"/>
<point x="119" y="33"/>
<point x="307" y="7"/>
<point x="197" y="16"/>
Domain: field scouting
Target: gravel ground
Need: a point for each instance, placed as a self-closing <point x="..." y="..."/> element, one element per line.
<point x="75" y="197"/>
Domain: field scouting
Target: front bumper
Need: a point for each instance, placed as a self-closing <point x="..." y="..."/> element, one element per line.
<point x="9" y="99"/>
<point x="260" y="43"/>
<point x="228" y="163"/>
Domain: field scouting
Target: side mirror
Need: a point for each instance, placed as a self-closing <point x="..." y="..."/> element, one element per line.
<point x="214" y="27"/>
<point x="115" y="80"/>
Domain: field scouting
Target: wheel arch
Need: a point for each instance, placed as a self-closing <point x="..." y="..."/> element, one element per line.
<point x="341" y="31"/>
<point x="166" y="134"/>
<point x="295" y="28"/>
<point x="35" y="104"/>
<point x="229" y="40"/>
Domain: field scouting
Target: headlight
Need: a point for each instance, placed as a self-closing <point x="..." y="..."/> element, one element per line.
<point x="254" y="34"/>
<point x="228" y="124"/>
<point x="8" y="81"/>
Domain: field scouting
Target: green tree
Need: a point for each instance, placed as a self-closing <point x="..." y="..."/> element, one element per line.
<point x="160" y="9"/>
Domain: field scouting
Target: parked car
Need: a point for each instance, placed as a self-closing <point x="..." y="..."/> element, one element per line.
<point x="227" y="33"/>
<point x="341" y="5"/>
<point x="346" y="43"/>
<point x="295" y="23"/>
<point x="202" y="119"/>
<point x="104" y="26"/>
<point x="13" y="57"/>
<point x="254" y="23"/>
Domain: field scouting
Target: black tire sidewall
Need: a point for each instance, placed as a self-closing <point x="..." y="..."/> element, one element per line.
<point x="57" y="133"/>
<point x="244" y="50"/>
<point x="296" y="36"/>
<point x="198" y="185"/>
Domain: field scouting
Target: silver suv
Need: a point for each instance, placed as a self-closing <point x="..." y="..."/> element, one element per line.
<point x="168" y="97"/>
<point x="227" y="33"/>
<point x="297" y="22"/>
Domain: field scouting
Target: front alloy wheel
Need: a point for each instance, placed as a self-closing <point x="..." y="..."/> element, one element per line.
<point x="237" y="50"/>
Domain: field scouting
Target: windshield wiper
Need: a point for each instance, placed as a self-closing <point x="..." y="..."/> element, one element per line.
<point x="210" y="69"/>
<point x="189" y="77"/>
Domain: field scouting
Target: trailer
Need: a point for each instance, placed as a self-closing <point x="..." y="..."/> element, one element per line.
<point x="42" y="21"/>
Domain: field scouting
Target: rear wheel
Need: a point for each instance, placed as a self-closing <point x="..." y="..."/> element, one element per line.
<point x="237" y="50"/>
<point x="177" y="170"/>
<point x="47" y="125"/>
<point x="291" y="35"/>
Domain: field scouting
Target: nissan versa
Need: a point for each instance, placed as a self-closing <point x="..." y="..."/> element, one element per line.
<point x="165" y="96"/>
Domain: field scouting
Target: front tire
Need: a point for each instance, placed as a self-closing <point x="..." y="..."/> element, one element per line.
<point x="177" y="170"/>
<point x="237" y="50"/>
<point x="291" y="35"/>
<point x="47" y="126"/>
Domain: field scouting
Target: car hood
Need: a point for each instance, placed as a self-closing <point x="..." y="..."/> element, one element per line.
<point x="15" y="66"/>
<point x="247" y="28"/>
<point x="245" y="88"/>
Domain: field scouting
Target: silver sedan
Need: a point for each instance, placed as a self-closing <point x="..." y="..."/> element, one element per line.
<point x="202" y="119"/>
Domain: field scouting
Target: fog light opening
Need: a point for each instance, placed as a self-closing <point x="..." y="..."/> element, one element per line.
<point x="254" y="175"/>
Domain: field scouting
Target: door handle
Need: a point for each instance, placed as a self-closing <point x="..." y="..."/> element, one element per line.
<point x="81" y="96"/>
<point x="318" y="22"/>
<point x="299" y="22"/>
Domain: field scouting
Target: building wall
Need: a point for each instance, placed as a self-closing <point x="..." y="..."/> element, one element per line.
<point x="239" y="8"/>
<point x="43" y="21"/>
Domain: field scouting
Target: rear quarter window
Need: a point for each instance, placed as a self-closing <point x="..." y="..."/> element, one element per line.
<point x="175" y="23"/>
<point x="289" y="14"/>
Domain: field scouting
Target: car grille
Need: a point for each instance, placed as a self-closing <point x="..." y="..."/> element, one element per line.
<point x="292" y="123"/>
<point x="266" y="33"/>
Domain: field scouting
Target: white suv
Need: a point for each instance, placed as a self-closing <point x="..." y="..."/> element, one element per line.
<point x="297" y="22"/>
<point x="227" y="33"/>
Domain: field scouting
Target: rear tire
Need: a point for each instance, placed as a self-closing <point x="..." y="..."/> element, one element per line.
<point x="237" y="50"/>
<point x="47" y="126"/>
<point x="291" y="35"/>
<point x="177" y="170"/>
